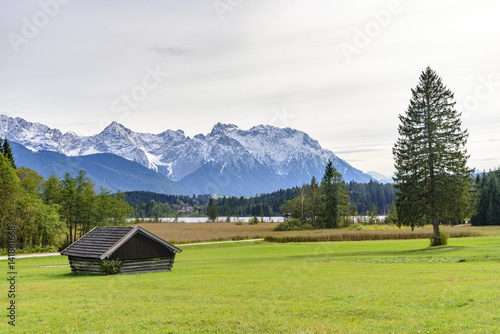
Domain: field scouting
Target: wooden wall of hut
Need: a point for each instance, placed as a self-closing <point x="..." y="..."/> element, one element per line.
<point x="92" y="266"/>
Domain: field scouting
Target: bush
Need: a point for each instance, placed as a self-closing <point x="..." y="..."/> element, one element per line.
<point x="307" y="226"/>
<point x="443" y="236"/>
<point x="111" y="267"/>
<point x="355" y="227"/>
<point x="282" y="227"/>
<point x="238" y="223"/>
<point x="254" y="221"/>
<point x="293" y="225"/>
<point x="34" y="249"/>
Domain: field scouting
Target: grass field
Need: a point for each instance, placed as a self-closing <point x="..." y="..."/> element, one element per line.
<point x="392" y="286"/>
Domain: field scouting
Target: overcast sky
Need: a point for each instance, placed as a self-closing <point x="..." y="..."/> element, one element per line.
<point x="339" y="70"/>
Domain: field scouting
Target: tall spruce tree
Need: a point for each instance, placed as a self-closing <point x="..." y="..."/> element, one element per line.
<point x="334" y="200"/>
<point x="432" y="179"/>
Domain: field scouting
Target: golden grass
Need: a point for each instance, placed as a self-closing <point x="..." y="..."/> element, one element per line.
<point x="179" y="233"/>
<point x="343" y="235"/>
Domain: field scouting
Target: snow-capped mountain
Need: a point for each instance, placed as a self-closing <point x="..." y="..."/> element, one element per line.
<point x="258" y="160"/>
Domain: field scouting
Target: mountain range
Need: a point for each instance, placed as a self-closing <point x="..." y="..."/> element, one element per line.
<point x="226" y="161"/>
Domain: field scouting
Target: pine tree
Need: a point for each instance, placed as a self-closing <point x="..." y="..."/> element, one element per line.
<point x="334" y="200"/>
<point x="212" y="211"/>
<point x="373" y="214"/>
<point x="7" y="152"/>
<point x="392" y="217"/>
<point x="432" y="179"/>
<point x="313" y="200"/>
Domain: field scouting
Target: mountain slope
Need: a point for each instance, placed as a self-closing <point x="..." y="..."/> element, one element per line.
<point x="380" y="177"/>
<point x="107" y="170"/>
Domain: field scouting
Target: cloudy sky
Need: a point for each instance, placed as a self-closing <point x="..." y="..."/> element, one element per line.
<point x="339" y="70"/>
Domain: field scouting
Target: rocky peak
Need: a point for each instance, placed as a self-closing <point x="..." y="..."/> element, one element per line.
<point x="223" y="129"/>
<point x="116" y="128"/>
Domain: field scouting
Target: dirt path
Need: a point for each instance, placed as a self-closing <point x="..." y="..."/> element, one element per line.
<point x="31" y="255"/>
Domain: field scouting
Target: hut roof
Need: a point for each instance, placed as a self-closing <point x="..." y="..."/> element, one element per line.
<point x="102" y="242"/>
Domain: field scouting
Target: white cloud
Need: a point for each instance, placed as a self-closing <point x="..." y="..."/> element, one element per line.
<point x="263" y="56"/>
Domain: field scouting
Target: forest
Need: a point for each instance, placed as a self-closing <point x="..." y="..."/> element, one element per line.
<point x="149" y="204"/>
<point x="488" y="204"/>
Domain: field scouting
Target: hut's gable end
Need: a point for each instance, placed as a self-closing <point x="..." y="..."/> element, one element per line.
<point x="140" y="246"/>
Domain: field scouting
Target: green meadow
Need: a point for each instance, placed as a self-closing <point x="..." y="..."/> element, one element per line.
<point x="390" y="286"/>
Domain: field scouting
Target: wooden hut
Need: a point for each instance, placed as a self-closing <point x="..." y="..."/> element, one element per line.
<point x="140" y="251"/>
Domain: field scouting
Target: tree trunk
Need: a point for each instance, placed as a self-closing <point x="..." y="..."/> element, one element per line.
<point x="70" y="235"/>
<point x="435" y="225"/>
<point x="75" y="230"/>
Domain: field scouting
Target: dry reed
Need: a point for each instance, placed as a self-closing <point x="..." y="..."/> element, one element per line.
<point x="179" y="233"/>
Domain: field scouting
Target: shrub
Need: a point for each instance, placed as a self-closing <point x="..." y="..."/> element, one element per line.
<point x="42" y="249"/>
<point x="283" y="226"/>
<point x="254" y="221"/>
<point x="443" y="236"/>
<point x="355" y="227"/>
<point x="293" y="225"/>
<point x="307" y="226"/>
<point x="238" y="223"/>
<point x="111" y="267"/>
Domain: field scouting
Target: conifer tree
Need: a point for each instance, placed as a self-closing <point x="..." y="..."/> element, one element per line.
<point x="313" y="200"/>
<point x="7" y="152"/>
<point x="213" y="214"/>
<point x="432" y="179"/>
<point x="334" y="200"/>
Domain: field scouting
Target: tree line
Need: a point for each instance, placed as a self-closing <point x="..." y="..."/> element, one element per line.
<point x="265" y="205"/>
<point x="49" y="213"/>
<point x="148" y="204"/>
<point x="487" y="209"/>
<point x="362" y="198"/>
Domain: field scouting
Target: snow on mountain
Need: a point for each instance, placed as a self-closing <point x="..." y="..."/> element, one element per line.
<point x="290" y="155"/>
<point x="380" y="177"/>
